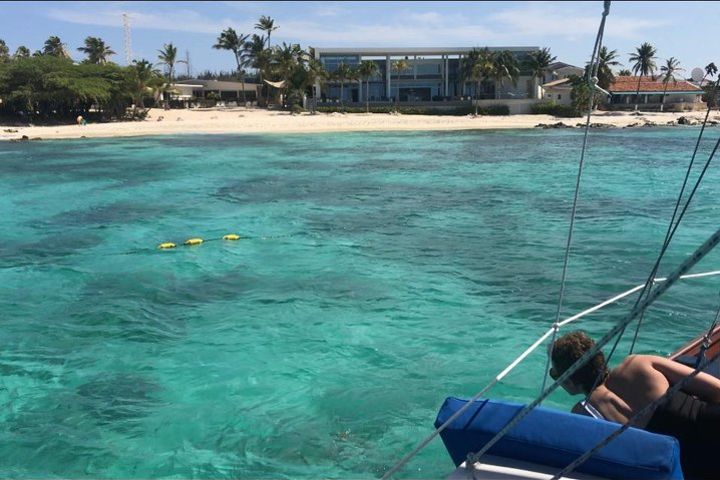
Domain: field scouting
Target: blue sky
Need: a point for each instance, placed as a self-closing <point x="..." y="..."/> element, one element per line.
<point x="685" y="30"/>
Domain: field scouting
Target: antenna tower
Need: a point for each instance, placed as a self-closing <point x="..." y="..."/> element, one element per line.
<point x="126" y="38"/>
<point x="187" y="62"/>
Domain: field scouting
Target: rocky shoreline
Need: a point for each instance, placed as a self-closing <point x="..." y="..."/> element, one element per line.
<point x="642" y="122"/>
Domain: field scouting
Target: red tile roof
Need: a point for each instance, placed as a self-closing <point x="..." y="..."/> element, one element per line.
<point x="649" y="84"/>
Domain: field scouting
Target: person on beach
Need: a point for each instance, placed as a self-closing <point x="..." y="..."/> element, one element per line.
<point x="81" y="121"/>
<point x="692" y="414"/>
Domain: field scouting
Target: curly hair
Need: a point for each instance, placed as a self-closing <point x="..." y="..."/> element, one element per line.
<point x="568" y="349"/>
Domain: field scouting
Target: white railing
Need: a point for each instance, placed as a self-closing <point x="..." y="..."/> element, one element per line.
<point x="525" y="354"/>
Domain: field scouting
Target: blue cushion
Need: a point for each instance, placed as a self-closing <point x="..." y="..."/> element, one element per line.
<point x="555" y="438"/>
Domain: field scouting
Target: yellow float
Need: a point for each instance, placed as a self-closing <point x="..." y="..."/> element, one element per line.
<point x="166" y="245"/>
<point x="231" y="236"/>
<point x="193" y="241"/>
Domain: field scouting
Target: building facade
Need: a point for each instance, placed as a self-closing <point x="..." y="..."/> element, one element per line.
<point x="226" y="91"/>
<point x="433" y="74"/>
<point x="678" y="95"/>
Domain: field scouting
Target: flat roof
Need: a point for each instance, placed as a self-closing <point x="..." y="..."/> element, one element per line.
<point x="411" y="51"/>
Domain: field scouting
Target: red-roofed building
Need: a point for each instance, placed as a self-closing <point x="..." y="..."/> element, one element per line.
<point x="680" y="95"/>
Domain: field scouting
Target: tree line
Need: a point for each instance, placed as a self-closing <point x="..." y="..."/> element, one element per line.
<point x="48" y="84"/>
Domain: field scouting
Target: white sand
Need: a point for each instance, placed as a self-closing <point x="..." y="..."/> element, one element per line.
<point x="240" y="120"/>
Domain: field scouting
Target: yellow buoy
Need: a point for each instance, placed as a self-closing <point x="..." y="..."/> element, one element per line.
<point x="193" y="241"/>
<point x="231" y="236"/>
<point x="166" y="245"/>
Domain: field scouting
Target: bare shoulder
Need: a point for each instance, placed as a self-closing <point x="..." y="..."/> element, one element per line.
<point x="636" y="363"/>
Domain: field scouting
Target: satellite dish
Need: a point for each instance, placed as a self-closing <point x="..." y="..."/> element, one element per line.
<point x="697" y="74"/>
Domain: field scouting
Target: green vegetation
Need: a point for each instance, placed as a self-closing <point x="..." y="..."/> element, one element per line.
<point x="230" y="40"/>
<point x="420" y="110"/>
<point x="367" y="70"/>
<point x="671" y="67"/>
<point x="539" y="63"/>
<point x="48" y="86"/>
<point x="53" y="88"/>
<point x="580" y="95"/>
<point x="643" y="64"/>
<point x="554" y="109"/>
<point x="606" y="60"/>
<point x="96" y="50"/>
<point x="399" y="66"/>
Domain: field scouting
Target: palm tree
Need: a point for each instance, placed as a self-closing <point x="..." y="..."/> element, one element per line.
<point x="671" y="67"/>
<point x="316" y="73"/>
<point x="643" y="64"/>
<point x="367" y="69"/>
<point x="4" y="52"/>
<point x="146" y="79"/>
<point x="343" y="73"/>
<point x="539" y="62"/>
<point x="266" y="24"/>
<point x="22" y="52"/>
<point x="710" y="71"/>
<point x="505" y="65"/>
<point x="477" y="66"/>
<point x="289" y="64"/>
<point x="168" y="57"/>
<point x="54" y="46"/>
<point x="624" y="73"/>
<point x="399" y="66"/>
<point x="606" y="60"/>
<point x="230" y="40"/>
<point x="287" y="58"/>
<point x="258" y="57"/>
<point x="96" y="50"/>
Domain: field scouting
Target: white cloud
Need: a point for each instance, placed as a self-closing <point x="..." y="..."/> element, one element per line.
<point x="327" y="10"/>
<point x="539" y="20"/>
<point x="400" y="34"/>
<point x="427" y="17"/>
<point x="177" y="20"/>
<point x="530" y="24"/>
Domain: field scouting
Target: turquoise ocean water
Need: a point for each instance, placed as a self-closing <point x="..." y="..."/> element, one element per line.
<point x="379" y="273"/>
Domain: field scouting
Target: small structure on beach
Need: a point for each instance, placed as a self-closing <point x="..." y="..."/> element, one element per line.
<point x="229" y="92"/>
<point x="557" y="91"/>
<point x="680" y="95"/>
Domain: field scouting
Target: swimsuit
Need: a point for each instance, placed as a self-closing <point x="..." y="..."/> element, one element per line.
<point x="696" y="425"/>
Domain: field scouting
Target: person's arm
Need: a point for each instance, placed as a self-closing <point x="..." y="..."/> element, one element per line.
<point x="704" y="386"/>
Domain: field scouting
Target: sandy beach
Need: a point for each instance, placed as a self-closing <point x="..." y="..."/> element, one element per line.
<point x="240" y="120"/>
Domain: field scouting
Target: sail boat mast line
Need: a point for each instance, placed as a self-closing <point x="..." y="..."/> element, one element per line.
<point x="673" y="228"/>
<point x="591" y="81"/>
<point x="522" y="357"/>
<point x="691" y="261"/>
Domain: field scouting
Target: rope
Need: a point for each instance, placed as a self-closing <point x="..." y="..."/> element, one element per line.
<point x="699" y="366"/>
<point x="670" y="232"/>
<point x="686" y="265"/>
<point x="591" y="81"/>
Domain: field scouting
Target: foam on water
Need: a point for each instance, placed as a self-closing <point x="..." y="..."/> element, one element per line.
<point x="382" y="272"/>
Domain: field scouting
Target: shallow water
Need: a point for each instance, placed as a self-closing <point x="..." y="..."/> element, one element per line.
<point x="378" y="274"/>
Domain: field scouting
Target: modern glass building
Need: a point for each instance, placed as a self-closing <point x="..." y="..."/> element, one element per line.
<point x="432" y="75"/>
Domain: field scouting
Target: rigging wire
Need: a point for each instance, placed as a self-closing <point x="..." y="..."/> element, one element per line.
<point x="591" y="83"/>
<point x="670" y="231"/>
<point x="700" y="365"/>
<point x="500" y="376"/>
<point x="686" y="265"/>
<point x="672" y="228"/>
